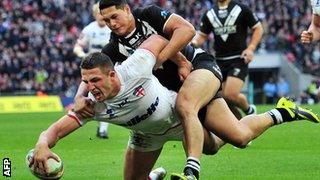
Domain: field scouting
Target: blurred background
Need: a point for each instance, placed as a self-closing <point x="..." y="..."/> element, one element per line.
<point x="37" y="39"/>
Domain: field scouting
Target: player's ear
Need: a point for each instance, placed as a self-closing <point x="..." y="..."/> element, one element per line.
<point x="127" y="9"/>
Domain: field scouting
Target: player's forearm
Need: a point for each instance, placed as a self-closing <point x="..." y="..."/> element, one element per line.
<point x="159" y="42"/>
<point x="82" y="90"/>
<point x="58" y="130"/>
<point x="180" y="38"/>
<point x="256" y="37"/>
<point x="47" y="138"/>
<point x="179" y="59"/>
<point x="78" y="50"/>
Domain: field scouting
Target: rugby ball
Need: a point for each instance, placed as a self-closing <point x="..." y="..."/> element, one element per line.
<point x="55" y="168"/>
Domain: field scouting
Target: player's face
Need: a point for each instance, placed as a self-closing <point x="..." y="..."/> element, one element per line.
<point x="99" y="19"/>
<point x="98" y="83"/>
<point x="120" y="21"/>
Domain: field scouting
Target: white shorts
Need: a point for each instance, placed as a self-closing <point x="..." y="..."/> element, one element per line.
<point x="148" y="142"/>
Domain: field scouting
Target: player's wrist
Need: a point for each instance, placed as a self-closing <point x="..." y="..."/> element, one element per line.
<point x="41" y="144"/>
<point x="251" y="47"/>
<point x="79" y="52"/>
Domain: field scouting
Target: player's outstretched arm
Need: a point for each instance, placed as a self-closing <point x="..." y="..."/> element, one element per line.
<point x="256" y="37"/>
<point x="48" y="139"/>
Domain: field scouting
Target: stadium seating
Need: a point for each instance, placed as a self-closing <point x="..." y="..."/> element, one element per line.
<point x="37" y="38"/>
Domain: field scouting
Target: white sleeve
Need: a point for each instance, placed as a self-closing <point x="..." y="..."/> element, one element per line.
<point x="315" y="7"/>
<point x="139" y="64"/>
<point x="83" y="37"/>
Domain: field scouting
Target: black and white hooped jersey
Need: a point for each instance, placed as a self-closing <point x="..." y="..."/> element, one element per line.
<point x="143" y="104"/>
<point x="149" y="20"/>
<point x="229" y="26"/>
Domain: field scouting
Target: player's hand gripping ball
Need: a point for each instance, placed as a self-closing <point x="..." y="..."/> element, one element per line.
<point x="55" y="168"/>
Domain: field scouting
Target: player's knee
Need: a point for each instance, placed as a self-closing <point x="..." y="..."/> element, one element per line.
<point x="184" y="106"/>
<point x="185" y="112"/>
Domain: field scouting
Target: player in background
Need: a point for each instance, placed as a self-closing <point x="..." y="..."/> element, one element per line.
<point x="313" y="32"/>
<point x="93" y="38"/>
<point x="229" y="21"/>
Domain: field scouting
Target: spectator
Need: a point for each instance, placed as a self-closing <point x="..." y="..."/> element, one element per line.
<point x="270" y="91"/>
<point x="41" y="34"/>
<point x="283" y="87"/>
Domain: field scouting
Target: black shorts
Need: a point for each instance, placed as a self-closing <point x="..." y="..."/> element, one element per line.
<point x="235" y="67"/>
<point x="206" y="61"/>
<point x="203" y="111"/>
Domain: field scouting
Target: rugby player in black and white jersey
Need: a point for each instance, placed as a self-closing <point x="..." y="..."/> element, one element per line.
<point x="129" y="95"/>
<point x="229" y="21"/>
<point x="94" y="37"/>
<point x="313" y="32"/>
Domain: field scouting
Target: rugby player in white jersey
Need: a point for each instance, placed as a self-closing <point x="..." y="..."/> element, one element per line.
<point x="129" y="95"/>
<point x="313" y="32"/>
<point x="94" y="37"/>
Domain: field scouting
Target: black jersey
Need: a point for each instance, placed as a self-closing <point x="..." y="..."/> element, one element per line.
<point x="149" y="20"/>
<point x="230" y="28"/>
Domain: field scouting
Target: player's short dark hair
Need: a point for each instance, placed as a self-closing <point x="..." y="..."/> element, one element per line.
<point x="108" y="3"/>
<point x="95" y="60"/>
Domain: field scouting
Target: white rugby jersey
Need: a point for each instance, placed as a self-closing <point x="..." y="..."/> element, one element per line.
<point x="142" y="104"/>
<point x="94" y="37"/>
<point x="315" y="6"/>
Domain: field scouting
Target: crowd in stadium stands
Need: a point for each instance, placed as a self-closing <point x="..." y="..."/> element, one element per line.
<point x="37" y="38"/>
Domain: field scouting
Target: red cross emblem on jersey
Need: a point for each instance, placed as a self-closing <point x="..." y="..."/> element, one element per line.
<point x="139" y="91"/>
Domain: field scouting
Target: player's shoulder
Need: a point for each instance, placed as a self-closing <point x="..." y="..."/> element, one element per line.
<point x="113" y="41"/>
<point x="240" y="4"/>
<point x="142" y="56"/>
<point x="91" y="26"/>
<point x="140" y="63"/>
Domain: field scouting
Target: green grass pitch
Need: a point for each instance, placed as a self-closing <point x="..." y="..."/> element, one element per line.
<point x="289" y="151"/>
